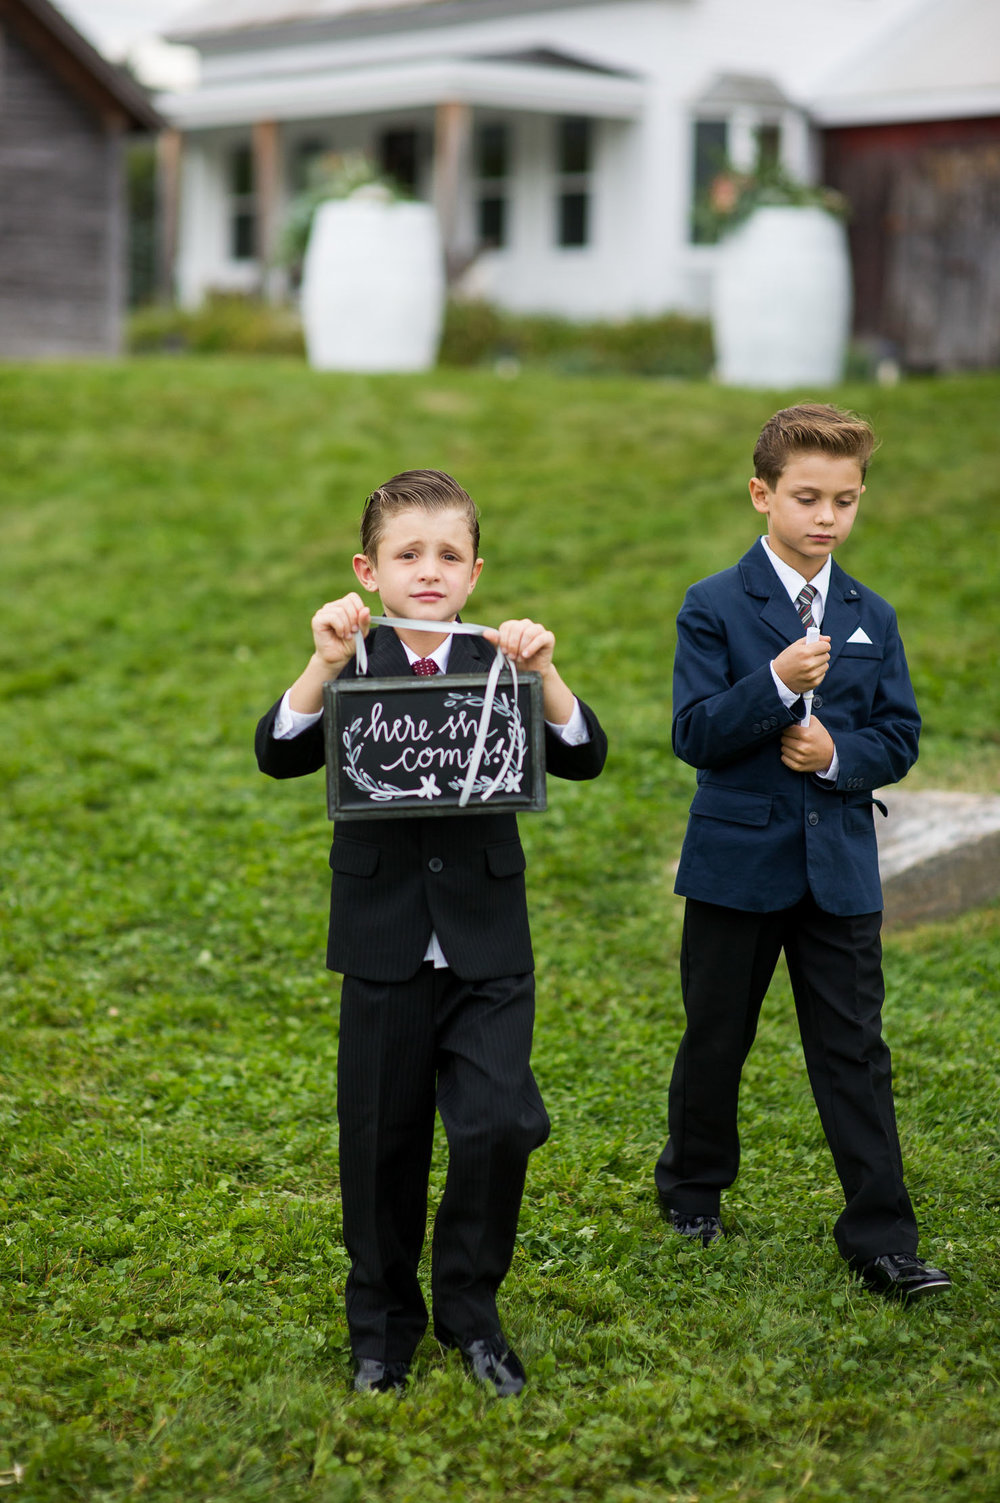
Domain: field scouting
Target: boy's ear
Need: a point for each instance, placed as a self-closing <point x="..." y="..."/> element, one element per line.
<point x="363" y="569"/>
<point x="477" y="569"/>
<point x="759" y="494"/>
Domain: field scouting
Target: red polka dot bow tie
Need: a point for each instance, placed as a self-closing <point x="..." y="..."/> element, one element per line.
<point x="425" y="667"/>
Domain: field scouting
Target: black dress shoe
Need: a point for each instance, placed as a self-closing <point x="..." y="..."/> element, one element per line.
<point x="373" y="1376"/>
<point x="492" y="1363"/>
<point x="703" y="1229"/>
<point x="902" y="1276"/>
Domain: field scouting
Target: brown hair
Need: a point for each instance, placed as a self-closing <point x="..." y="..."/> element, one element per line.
<point x="431" y="490"/>
<point x="813" y="428"/>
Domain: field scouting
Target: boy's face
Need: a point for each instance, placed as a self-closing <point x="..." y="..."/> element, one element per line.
<point x="424" y="566"/>
<point x="811" y="509"/>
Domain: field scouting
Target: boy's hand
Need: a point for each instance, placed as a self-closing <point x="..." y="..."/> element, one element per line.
<point x="807" y="748"/>
<point x="531" y="647"/>
<point x="803" y="665"/>
<point x="333" y="628"/>
<point x="528" y="643"/>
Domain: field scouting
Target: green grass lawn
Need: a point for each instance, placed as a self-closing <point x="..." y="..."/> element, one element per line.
<point x="171" y="1270"/>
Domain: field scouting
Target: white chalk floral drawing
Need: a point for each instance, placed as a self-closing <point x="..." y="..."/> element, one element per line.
<point x="508" y="709"/>
<point x="378" y="792"/>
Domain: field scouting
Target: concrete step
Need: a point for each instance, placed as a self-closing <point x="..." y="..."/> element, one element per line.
<point x="939" y="854"/>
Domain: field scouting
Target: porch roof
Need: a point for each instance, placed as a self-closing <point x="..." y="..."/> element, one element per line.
<point x="545" y="82"/>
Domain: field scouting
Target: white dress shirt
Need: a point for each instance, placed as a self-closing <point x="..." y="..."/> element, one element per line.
<point x="289" y="723"/>
<point x="794" y="583"/>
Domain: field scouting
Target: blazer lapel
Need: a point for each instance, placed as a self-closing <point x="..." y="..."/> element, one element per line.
<point x="777" y="611"/>
<point x="386" y="658"/>
<point x="842" y="615"/>
<point x="467" y="654"/>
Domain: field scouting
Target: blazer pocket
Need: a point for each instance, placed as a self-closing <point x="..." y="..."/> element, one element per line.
<point x="354" y="858"/>
<point x="505" y="860"/>
<point x="861" y="650"/>
<point x="736" y="806"/>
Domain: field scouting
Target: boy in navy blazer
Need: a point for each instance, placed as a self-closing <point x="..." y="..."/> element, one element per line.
<point x="791" y="732"/>
<point x="429" y="924"/>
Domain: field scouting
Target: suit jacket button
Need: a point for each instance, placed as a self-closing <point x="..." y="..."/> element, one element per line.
<point x="818" y="701"/>
<point x="756" y="728"/>
<point x="813" y="817"/>
<point x="774" y="721"/>
<point x="435" y="864"/>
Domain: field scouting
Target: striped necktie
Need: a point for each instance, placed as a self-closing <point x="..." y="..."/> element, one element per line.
<point x="803" y="604"/>
<point x="425" y="667"/>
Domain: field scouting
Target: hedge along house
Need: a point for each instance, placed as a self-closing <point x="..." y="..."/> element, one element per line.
<point x="563" y="141"/>
<point x="64" y="116"/>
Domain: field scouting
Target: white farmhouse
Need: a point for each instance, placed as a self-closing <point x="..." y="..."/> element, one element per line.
<point x="563" y="141"/>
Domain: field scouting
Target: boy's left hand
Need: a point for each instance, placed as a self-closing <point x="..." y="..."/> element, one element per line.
<point x="527" y="642"/>
<point x="530" y="645"/>
<point x="807" y="748"/>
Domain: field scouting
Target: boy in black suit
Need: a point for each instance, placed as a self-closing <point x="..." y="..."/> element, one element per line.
<point x="429" y="925"/>
<point x="790" y="737"/>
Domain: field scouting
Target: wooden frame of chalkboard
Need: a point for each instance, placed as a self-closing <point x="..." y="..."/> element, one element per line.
<point x="398" y="747"/>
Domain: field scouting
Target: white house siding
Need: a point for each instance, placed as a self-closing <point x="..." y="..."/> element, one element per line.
<point x="640" y="258"/>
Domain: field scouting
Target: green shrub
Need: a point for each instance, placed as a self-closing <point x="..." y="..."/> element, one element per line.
<point x="671" y="344"/>
<point x="227" y="323"/>
<point x="230" y="323"/>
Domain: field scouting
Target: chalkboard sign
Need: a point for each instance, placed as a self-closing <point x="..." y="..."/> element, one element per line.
<point x="402" y="746"/>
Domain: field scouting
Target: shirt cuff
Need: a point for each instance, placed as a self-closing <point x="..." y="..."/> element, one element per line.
<point x="575" y="731"/>
<point x="788" y="698"/>
<point x="289" y="723"/>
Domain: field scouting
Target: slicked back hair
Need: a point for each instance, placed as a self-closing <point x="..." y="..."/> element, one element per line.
<point x="812" y="428"/>
<point x="431" y="490"/>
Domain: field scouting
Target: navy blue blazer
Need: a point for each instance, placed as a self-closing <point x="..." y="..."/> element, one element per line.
<point x="394" y="880"/>
<point x="760" y="836"/>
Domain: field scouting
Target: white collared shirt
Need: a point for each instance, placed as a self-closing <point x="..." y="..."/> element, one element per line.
<point x="289" y="723"/>
<point x="794" y="582"/>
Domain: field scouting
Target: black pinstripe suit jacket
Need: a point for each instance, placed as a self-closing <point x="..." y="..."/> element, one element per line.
<point x="385" y="898"/>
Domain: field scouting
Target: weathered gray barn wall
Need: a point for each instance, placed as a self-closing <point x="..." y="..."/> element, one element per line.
<point x="65" y="114"/>
<point x="61" y="216"/>
<point x="925" y="237"/>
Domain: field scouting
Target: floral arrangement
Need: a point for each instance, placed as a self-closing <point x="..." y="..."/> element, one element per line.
<point x="733" y="195"/>
<point x="333" y="175"/>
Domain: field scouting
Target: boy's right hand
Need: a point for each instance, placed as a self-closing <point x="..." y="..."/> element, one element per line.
<point x="333" y="628"/>
<point x="802" y="666"/>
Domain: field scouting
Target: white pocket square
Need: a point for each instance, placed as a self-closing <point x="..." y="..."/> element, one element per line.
<point x="860" y="636"/>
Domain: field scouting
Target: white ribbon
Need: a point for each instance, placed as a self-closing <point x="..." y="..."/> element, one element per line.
<point x="468" y="629"/>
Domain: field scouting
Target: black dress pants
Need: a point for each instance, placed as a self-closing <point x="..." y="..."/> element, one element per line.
<point x="405" y="1048"/>
<point x="835" y="965"/>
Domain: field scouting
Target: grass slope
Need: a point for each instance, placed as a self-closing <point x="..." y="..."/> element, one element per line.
<point x="170" y="1259"/>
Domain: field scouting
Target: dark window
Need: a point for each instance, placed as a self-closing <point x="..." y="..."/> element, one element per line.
<point x="492" y="167"/>
<point x="574" y="161"/>
<point x="241" y="170"/>
<point x="709" y="151"/>
<point x="399" y="157"/>
<point x="574" y="214"/>
<point x="574" y="145"/>
<point x="768" y="147"/>
<point x="493" y="221"/>
<point x="710" y="139"/>
<point x="492" y="151"/>
<point x="242" y="205"/>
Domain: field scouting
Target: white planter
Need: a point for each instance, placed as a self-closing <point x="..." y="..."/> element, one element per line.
<point x="373" y="286"/>
<point x="781" y="300"/>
